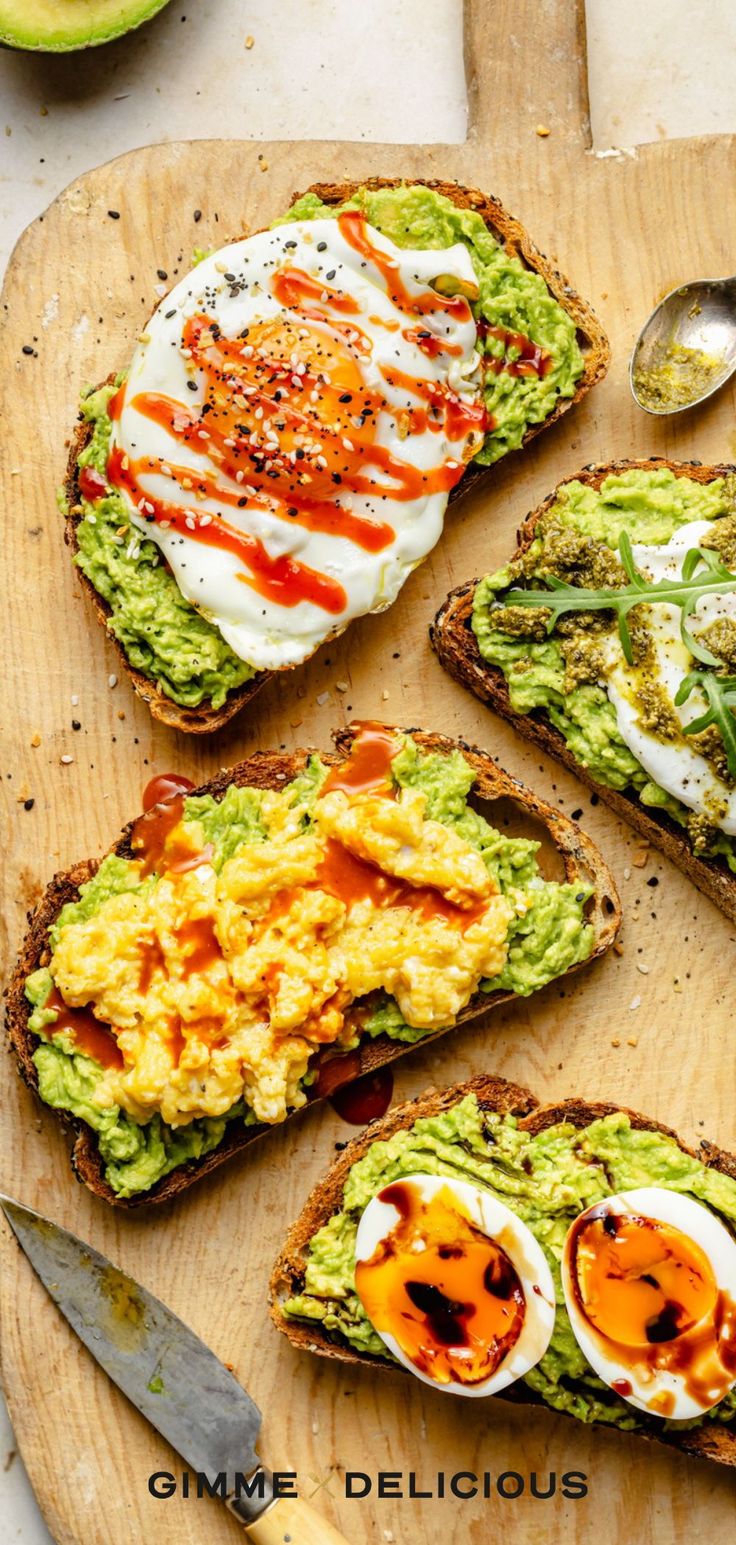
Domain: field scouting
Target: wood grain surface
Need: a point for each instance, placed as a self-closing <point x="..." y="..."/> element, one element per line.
<point x="79" y="287"/>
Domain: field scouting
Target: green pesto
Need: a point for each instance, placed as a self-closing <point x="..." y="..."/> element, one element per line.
<point x="650" y="506"/>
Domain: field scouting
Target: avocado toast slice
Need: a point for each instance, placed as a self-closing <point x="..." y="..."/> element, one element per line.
<point x="454" y="640"/>
<point x="560" y="924"/>
<point x="494" y="1112"/>
<point x="136" y="598"/>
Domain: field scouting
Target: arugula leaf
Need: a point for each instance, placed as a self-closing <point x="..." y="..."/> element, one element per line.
<point x="720" y="692"/>
<point x="703" y="573"/>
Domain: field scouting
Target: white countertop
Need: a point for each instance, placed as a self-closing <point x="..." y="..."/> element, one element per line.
<point x="318" y="69"/>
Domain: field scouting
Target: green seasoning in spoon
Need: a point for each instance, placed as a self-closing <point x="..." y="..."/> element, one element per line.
<point x="675" y="376"/>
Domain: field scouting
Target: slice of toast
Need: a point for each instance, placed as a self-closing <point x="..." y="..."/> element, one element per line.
<point x="568" y="848"/>
<point x="455" y="644"/>
<point x="712" y="1440"/>
<point x="595" y="349"/>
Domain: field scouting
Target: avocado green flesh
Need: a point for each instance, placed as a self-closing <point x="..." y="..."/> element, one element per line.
<point x="162" y="634"/>
<point x="650" y="506"/>
<point x="57" y="26"/>
<point x="547" y="1180"/>
<point x="552" y="936"/>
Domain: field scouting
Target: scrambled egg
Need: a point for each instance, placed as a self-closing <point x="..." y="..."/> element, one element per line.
<point x="221" y="986"/>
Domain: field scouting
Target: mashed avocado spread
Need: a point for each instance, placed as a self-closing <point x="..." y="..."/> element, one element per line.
<point x="163" y="635"/>
<point x="544" y="923"/>
<point x="547" y="1180"/>
<point x="563" y="672"/>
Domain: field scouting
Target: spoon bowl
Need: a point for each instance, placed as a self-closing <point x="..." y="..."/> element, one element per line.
<point x="686" y="349"/>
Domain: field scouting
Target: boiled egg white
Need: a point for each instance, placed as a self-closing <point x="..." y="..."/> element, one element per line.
<point x="649" y="1278"/>
<point x="455" y="1284"/>
<point x="675" y="765"/>
<point x="295" y="415"/>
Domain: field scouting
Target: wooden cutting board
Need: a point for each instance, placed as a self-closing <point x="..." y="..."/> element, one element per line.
<point x="78" y="289"/>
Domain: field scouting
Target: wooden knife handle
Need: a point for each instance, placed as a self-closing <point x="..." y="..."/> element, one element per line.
<point x="289" y="1521"/>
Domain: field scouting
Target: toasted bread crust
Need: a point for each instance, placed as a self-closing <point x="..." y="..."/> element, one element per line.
<point x="710" y="1441"/>
<point x="594" y="344"/>
<point x="455" y="644"/>
<point x="580" y="858"/>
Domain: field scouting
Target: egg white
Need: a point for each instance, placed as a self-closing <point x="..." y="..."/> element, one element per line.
<point x="714" y="1239"/>
<point x="676" y="767"/>
<point x="525" y="1253"/>
<point x="260" y="631"/>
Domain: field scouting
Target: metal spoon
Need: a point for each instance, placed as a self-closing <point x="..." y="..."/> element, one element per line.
<point x="687" y="344"/>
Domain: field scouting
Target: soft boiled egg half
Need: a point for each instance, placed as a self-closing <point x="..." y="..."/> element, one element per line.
<point x="454" y="1283"/>
<point x="649" y="1278"/>
<point x="296" y="413"/>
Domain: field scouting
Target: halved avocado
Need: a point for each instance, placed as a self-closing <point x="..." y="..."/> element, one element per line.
<point x="59" y="26"/>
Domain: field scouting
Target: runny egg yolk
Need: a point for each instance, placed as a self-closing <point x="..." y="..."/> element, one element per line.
<point x="641" y="1282"/>
<point x="448" y="1294"/>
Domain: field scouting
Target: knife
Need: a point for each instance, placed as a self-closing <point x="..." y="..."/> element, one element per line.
<point x="169" y="1375"/>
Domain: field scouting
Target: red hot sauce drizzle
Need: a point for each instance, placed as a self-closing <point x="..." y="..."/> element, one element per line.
<point x="367" y="770"/>
<point x="648" y="1293"/>
<point x="151" y="837"/>
<point x="289" y="426"/>
<point x="88" y="1034"/>
<point x="448" y="1294"/>
<point x="531" y="360"/>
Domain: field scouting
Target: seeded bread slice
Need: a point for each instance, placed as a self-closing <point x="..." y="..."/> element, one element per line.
<point x="712" y="1440"/>
<point x="572" y="850"/>
<point x="456" y="648"/>
<point x="595" y="350"/>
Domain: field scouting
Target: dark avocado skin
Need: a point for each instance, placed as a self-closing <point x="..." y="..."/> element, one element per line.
<point x="106" y="20"/>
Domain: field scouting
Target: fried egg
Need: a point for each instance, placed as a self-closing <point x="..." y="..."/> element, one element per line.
<point x="676" y="765"/>
<point x="296" y="413"/>
<point x="455" y="1284"/>
<point x="649" y="1278"/>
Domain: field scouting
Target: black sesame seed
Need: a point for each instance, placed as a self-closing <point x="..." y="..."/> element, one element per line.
<point x="76" y="724"/>
<point x="331" y="274"/>
<point x="28" y="348"/>
<point x="653" y="882"/>
<point x="162" y="274"/>
<point x="192" y="386"/>
<point x="321" y="246"/>
<point x="114" y="214"/>
<point x="28" y="804"/>
<point x="576" y="814"/>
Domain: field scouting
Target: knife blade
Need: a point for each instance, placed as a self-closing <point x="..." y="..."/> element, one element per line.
<point x="168" y="1374"/>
